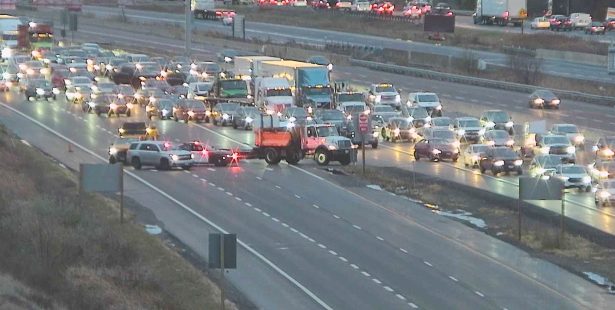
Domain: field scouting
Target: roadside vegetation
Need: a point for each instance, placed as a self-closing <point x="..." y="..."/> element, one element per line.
<point x="80" y="256"/>
<point x="581" y="250"/>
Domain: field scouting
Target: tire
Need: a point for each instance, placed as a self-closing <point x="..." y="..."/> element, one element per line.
<point x="186" y="120"/>
<point x="149" y="117"/>
<point x="519" y="172"/>
<point x="176" y="118"/>
<point x="98" y="113"/>
<point x="482" y="169"/>
<point x="416" y="156"/>
<point x="321" y="157"/>
<point x="136" y="163"/>
<point x="588" y="189"/>
<point x="215" y="122"/>
<point x="494" y="172"/>
<point x="112" y="160"/>
<point x="235" y="125"/>
<point x="455" y="159"/>
<point x="345" y="161"/>
<point x="109" y="114"/>
<point x="164" y="164"/>
<point x="219" y="163"/>
<point x="272" y="156"/>
<point x="293" y="156"/>
<point x="375" y="145"/>
<point x="128" y="113"/>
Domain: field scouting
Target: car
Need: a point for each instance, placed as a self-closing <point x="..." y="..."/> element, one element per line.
<point x="595" y="28"/>
<point x="442" y="134"/>
<point x="320" y="60"/>
<point x="199" y="90"/>
<point x="441" y="122"/>
<point x="540" y="23"/>
<point x="206" y="69"/>
<point x="139" y="130"/>
<point x="228" y="55"/>
<point x="112" y="65"/>
<point x="429" y="101"/>
<point x="135" y="73"/>
<point x="119" y="148"/>
<point x="605" y="193"/>
<point x="383" y="94"/>
<point x="161" y="107"/>
<point x="609" y="23"/>
<point x="501" y="159"/>
<point x="498" y="137"/>
<point x="468" y="129"/>
<point x="558" y="145"/>
<point x="569" y="130"/>
<point x="39" y="88"/>
<point x="179" y="91"/>
<point x="58" y="78"/>
<point x="125" y="91"/>
<point x="412" y="10"/>
<point x="155" y="83"/>
<point x="581" y="20"/>
<point x="223" y="113"/>
<point x="604" y="148"/>
<point x="397" y="129"/>
<point x="189" y="110"/>
<point x="78" y="81"/>
<point x="108" y="104"/>
<point x="143" y="96"/>
<point x="160" y="154"/>
<point x="442" y="9"/>
<point x="381" y="113"/>
<point x="560" y="22"/>
<point x="543" y="98"/>
<point x="602" y="169"/>
<point x="104" y="87"/>
<point x="574" y="176"/>
<point x="353" y="108"/>
<point x="473" y="154"/>
<point x="419" y="117"/>
<point x="435" y="150"/>
<point x="78" y="94"/>
<point x="382" y="8"/>
<point x="544" y="165"/>
<point x="497" y="119"/>
<point x="174" y="77"/>
<point x="245" y="117"/>
<point x="206" y="154"/>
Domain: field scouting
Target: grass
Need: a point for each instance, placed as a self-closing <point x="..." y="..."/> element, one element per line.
<point x="577" y="253"/>
<point x="80" y="254"/>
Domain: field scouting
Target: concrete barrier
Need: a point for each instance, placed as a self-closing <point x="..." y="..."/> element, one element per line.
<point x="583" y="58"/>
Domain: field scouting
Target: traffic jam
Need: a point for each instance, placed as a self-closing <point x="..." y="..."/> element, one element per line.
<point x="293" y="111"/>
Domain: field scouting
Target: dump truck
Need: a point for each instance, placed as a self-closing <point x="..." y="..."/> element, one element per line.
<point x="500" y="12"/>
<point x="275" y="141"/>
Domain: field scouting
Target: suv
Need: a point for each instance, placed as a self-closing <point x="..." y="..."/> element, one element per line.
<point x="556" y="145"/>
<point x="468" y="129"/>
<point x="429" y="101"/>
<point x="561" y="23"/>
<point x="497" y="119"/>
<point x="574" y="176"/>
<point x="501" y="159"/>
<point x="383" y="93"/>
<point x="159" y="154"/>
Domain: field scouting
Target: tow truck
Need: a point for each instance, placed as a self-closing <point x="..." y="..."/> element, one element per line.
<point x="275" y="142"/>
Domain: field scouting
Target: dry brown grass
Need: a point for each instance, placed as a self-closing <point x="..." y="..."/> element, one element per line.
<point x="82" y="255"/>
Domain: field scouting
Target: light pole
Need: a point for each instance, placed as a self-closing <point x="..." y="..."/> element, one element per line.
<point x="188" y="28"/>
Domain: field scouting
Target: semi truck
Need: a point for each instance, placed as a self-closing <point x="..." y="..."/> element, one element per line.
<point x="250" y="66"/>
<point x="309" y="82"/>
<point x="274" y="142"/>
<point x="206" y="9"/>
<point x="500" y="12"/>
<point x="9" y="33"/>
<point x="272" y="94"/>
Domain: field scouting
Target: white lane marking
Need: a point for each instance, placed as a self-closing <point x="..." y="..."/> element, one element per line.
<point x="194" y="175"/>
<point x="294" y="230"/>
<point x="229" y="193"/>
<point x="332" y="252"/>
<point x="248" y="204"/>
<point x="275" y="219"/>
<point x="211" y="169"/>
<point x="266" y="214"/>
<point x="257" y="209"/>
<point x="388" y="289"/>
<point x="186" y="171"/>
<point x="203" y="180"/>
<point x="403" y="250"/>
<point x="453" y="278"/>
<point x="357" y="227"/>
<point x="354" y="266"/>
<point x="379" y="238"/>
<point x="277" y="186"/>
<point x="269" y="169"/>
<point x="479" y="294"/>
<point x="366" y="274"/>
<point x="297" y="196"/>
<point x="212" y="184"/>
<point x="220" y="189"/>
<point x="26" y="143"/>
<point x="285" y="225"/>
<point x="342" y="258"/>
<point x="322" y="246"/>
<point x="259" y="178"/>
<point x="335" y="216"/>
<point x="400" y="297"/>
<point x="460" y="98"/>
<point x="377" y="281"/>
<point x="428" y="263"/>
<point x="316" y="206"/>
<point x="414" y="306"/>
<point x="598" y="120"/>
<point x="237" y="198"/>
<point x="182" y="205"/>
<point x="612" y="123"/>
<point x="62" y="165"/>
<point x="581" y="117"/>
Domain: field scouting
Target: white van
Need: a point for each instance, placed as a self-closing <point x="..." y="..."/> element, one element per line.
<point x="580" y="20"/>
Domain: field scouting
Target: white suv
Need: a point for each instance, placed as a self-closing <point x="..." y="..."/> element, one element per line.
<point x="383" y="93"/>
<point x="429" y="101"/>
<point x="159" y="154"/>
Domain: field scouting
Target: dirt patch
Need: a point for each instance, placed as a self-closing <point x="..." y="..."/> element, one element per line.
<point x="583" y="249"/>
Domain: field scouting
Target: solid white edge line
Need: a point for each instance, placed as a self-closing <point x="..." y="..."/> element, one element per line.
<point x="185" y="207"/>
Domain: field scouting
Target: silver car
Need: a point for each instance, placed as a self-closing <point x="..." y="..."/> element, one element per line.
<point x="160" y="154"/>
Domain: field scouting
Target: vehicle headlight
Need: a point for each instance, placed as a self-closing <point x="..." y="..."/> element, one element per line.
<point x="109" y="67"/>
<point x="397" y="98"/>
<point x="475" y="157"/>
<point x="439" y="107"/>
<point x="608" y="152"/>
<point x="603" y="174"/>
<point x="249" y="119"/>
<point x="138" y="96"/>
<point x="490" y="124"/>
<point x="436" y="151"/>
<point x="461" y="132"/>
<point x="545" y="149"/>
<point x="30" y="71"/>
<point x="191" y="113"/>
<point x="490" y="143"/>
<point x="410" y="119"/>
<point x="129" y="106"/>
<point x="378" y="98"/>
<point x="227" y="59"/>
<point x="249" y="96"/>
<point x="509" y="124"/>
<point x="92" y="104"/>
<point x="539" y="101"/>
<point x="555" y="101"/>
<point x="174" y="157"/>
<point x="481" y="131"/>
<point x="579" y="139"/>
<point x="122" y="130"/>
<point x="498" y="163"/>
<point x="428" y="119"/>
<point x="564" y="178"/>
<point x="165" y="111"/>
<point x="540" y="170"/>
<point x="191" y="156"/>
<point x="225" y="116"/>
<point x="587" y="179"/>
<point x="396" y="131"/>
<point x="20" y="75"/>
<point x="571" y="150"/>
<point x="113" y="106"/>
<point x="603" y="194"/>
<point x="518" y="162"/>
<point x="56" y="91"/>
<point x="375" y="134"/>
<point x="332" y="147"/>
<point x="78" y="95"/>
<point x="510" y="142"/>
<point x="112" y="151"/>
<point x="40" y="91"/>
<point x="6" y="75"/>
<point x="456" y="144"/>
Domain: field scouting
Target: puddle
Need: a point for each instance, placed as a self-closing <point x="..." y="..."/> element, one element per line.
<point x="153" y="229"/>
<point x="596" y="278"/>
<point x="376" y="187"/>
<point x="465" y="216"/>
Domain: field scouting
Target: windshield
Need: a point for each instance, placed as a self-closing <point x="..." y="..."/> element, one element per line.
<point x="228" y="107"/>
<point x="296" y="112"/>
<point x="327" y="131"/>
<point x="81" y="80"/>
<point x="42" y="83"/>
<point x="573" y="170"/>
<point x="504" y="152"/>
<point x="498" y="134"/>
<point x="238" y="87"/>
<point x="357" y="108"/>
<point x="332" y="115"/>
<point x="279" y="92"/>
<point x="549" y="161"/>
<point x="480" y="148"/>
<point x="195" y="104"/>
<point x="441" y="121"/>
<point x="469" y="123"/>
<point x="385" y="89"/>
<point x="400" y="123"/>
<point x="212" y="68"/>
<point x="418" y="113"/>
<point x="383" y="108"/>
<point x="498" y="117"/>
<point x="168" y="147"/>
<point x="350" y="97"/>
<point x="556" y="140"/>
<point x="165" y="104"/>
<point x="568" y="129"/>
<point x="317" y="91"/>
<point x="250" y="111"/>
<point x="428" y="98"/>
<point x="443" y="134"/>
<point x="544" y="93"/>
<point x="203" y="87"/>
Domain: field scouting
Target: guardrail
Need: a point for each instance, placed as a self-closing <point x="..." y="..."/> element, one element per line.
<point x="456" y="78"/>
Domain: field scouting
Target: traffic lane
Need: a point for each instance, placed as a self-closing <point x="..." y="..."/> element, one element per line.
<point x="181" y="224"/>
<point x="468" y="98"/>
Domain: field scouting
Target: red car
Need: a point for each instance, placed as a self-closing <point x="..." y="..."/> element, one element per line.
<point x="609" y="24"/>
<point x="57" y="78"/>
<point x="383" y="8"/>
<point x="435" y="150"/>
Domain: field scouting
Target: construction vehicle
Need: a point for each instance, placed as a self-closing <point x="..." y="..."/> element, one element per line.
<point x="274" y="142"/>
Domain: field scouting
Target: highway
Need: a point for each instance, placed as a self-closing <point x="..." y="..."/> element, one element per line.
<point x="280" y="33"/>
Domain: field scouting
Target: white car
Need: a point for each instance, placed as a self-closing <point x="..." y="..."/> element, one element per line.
<point x="360" y="6"/>
<point x="473" y="154"/>
<point x="601" y="170"/>
<point x="429" y="101"/>
<point x="78" y="81"/>
<point x="556" y="145"/>
<point x="199" y="90"/>
<point x="571" y="131"/>
<point x="574" y="176"/>
<point x="301" y="3"/>
<point x="580" y="20"/>
<point x="605" y="193"/>
<point x="383" y="94"/>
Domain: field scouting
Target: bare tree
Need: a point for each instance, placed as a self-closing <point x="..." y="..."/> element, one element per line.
<point x="525" y="67"/>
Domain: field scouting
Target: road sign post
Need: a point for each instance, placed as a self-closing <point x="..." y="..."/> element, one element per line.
<point x="542" y="188"/>
<point x="363" y="129"/>
<point x="222" y="255"/>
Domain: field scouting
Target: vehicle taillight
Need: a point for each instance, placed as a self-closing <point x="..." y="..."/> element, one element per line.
<point x="505" y="14"/>
<point x="235" y="156"/>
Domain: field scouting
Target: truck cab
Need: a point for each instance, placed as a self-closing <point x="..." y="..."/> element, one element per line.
<point x="236" y="89"/>
<point x="273" y="94"/>
<point x="319" y="96"/>
<point x="326" y="144"/>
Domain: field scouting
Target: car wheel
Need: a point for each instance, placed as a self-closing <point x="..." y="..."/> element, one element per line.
<point x="495" y="172"/>
<point x="588" y="189"/>
<point x="187" y="168"/>
<point x="176" y="118"/>
<point x="322" y="157"/>
<point x="375" y="145"/>
<point x="149" y="117"/>
<point x="164" y="164"/>
<point x="345" y="161"/>
<point x="215" y="122"/>
<point x="482" y="169"/>
<point x="416" y="156"/>
<point x="112" y="160"/>
<point x="186" y="120"/>
<point x="128" y="113"/>
<point x="235" y="125"/>
<point x="455" y="159"/>
<point x="136" y="163"/>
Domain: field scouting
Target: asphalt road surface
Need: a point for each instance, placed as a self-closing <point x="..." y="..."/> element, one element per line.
<point x="280" y="33"/>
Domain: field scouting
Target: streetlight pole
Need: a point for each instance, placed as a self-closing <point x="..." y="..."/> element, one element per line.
<point x="188" y="28"/>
